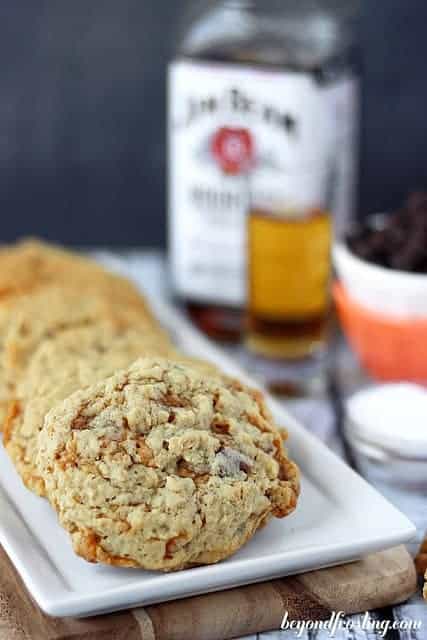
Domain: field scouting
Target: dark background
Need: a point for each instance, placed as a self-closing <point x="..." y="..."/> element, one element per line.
<point x="82" y="100"/>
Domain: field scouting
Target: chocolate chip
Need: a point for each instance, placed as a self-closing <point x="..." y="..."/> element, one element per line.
<point x="244" y="467"/>
<point x="399" y="241"/>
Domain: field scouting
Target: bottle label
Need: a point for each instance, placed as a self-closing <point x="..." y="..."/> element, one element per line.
<point x="243" y="137"/>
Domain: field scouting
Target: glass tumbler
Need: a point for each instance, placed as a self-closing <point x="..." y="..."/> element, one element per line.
<point x="289" y="273"/>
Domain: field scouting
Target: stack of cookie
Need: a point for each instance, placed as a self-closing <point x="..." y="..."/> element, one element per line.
<point x="151" y="459"/>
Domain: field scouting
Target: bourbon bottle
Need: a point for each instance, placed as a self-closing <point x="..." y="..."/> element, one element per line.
<point x="247" y="78"/>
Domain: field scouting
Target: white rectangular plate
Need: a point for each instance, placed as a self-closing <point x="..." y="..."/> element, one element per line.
<point x="339" y="518"/>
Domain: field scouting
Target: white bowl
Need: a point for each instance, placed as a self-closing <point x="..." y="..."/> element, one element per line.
<point x="393" y="293"/>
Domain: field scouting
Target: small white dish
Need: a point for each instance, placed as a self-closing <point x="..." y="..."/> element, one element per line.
<point x="339" y="518"/>
<point x="386" y="426"/>
<point x="395" y="293"/>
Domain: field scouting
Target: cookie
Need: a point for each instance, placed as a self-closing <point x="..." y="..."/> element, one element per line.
<point x="26" y="321"/>
<point x="31" y="264"/>
<point x="71" y="360"/>
<point x="421" y="558"/>
<point x="6" y="386"/>
<point x="162" y="467"/>
<point x="421" y="564"/>
<point x="53" y="309"/>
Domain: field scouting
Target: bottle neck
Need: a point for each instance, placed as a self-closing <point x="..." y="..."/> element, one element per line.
<point x="340" y="8"/>
<point x="304" y="34"/>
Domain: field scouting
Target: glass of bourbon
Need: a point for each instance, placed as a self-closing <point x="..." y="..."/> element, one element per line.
<point x="289" y="272"/>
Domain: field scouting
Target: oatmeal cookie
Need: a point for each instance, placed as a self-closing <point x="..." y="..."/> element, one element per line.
<point x="6" y="386"/>
<point x="26" y="321"/>
<point x="421" y="564"/>
<point x="53" y="309"/>
<point x="30" y="264"/>
<point x="421" y="558"/>
<point x="72" y="360"/>
<point x="162" y="467"/>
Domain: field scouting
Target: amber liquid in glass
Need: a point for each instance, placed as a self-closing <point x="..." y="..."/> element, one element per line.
<point x="218" y="322"/>
<point x="289" y="276"/>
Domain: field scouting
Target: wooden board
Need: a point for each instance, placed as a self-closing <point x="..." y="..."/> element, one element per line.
<point x="379" y="580"/>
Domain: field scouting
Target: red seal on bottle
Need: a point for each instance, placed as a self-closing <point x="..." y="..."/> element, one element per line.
<point x="233" y="149"/>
